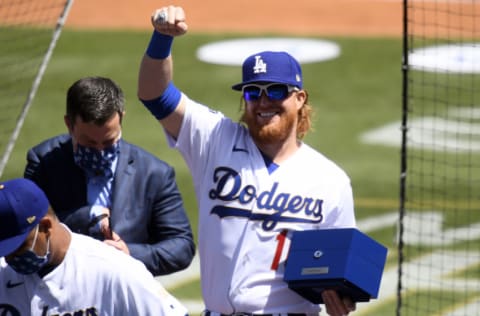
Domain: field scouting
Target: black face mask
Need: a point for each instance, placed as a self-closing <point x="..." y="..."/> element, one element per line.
<point x="29" y="262"/>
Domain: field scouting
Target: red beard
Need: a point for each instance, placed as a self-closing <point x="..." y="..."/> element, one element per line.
<point x="270" y="132"/>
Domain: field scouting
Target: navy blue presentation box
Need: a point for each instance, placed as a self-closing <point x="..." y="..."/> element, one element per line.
<point x="343" y="259"/>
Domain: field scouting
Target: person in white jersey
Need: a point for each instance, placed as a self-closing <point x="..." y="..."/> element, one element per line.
<point x="45" y="269"/>
<point x="256" y="181"/>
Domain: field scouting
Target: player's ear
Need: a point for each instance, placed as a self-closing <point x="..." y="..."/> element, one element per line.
<point x="301" y="98"/>
<point x="45" y="224"/>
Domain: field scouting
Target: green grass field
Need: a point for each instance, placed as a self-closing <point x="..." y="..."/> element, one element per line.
<point x="356" y="92"/>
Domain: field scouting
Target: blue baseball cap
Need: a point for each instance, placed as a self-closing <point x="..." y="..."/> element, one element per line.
<point x="22" y="205"/>
<point x="268" y="66"/>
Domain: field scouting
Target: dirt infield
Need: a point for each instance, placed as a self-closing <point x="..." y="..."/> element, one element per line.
<point x="305" y="17"/>
<point x="296" y="17"/>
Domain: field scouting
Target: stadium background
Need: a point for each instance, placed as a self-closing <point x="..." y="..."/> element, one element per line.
<point x="357" y="92"/>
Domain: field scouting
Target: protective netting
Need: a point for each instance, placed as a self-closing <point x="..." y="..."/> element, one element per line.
<point x="28" y="32"/>
<point x="439" y="239"/>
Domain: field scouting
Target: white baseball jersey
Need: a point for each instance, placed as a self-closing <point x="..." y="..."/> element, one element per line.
<point x="246" y="213"/>
<point x="94" y="279"/>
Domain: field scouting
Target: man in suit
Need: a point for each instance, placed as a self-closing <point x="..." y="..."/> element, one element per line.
<point x="102" y="186"/>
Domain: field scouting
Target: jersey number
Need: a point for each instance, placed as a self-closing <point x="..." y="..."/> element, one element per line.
<point x="278" y="253"/>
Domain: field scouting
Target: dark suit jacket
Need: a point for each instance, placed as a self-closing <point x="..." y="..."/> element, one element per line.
<point x="147" y="209"/>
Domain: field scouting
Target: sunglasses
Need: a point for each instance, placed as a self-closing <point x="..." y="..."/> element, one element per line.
<point x="274" y="91"/>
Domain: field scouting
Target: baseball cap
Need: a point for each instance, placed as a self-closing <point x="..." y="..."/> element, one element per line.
<point x="269" y="66"/>
<point x="22" y="205"/>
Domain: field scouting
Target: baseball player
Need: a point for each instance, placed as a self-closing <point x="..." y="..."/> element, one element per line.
<point x="255" y="181"/>
<point x="48" y="270"/>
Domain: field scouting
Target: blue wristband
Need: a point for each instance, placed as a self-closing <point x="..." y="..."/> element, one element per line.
<point x="160" y="46"/>
<point x="165" y="104"/>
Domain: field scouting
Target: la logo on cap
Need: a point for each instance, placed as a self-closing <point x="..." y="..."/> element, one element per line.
<point x="260" y="65"/>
